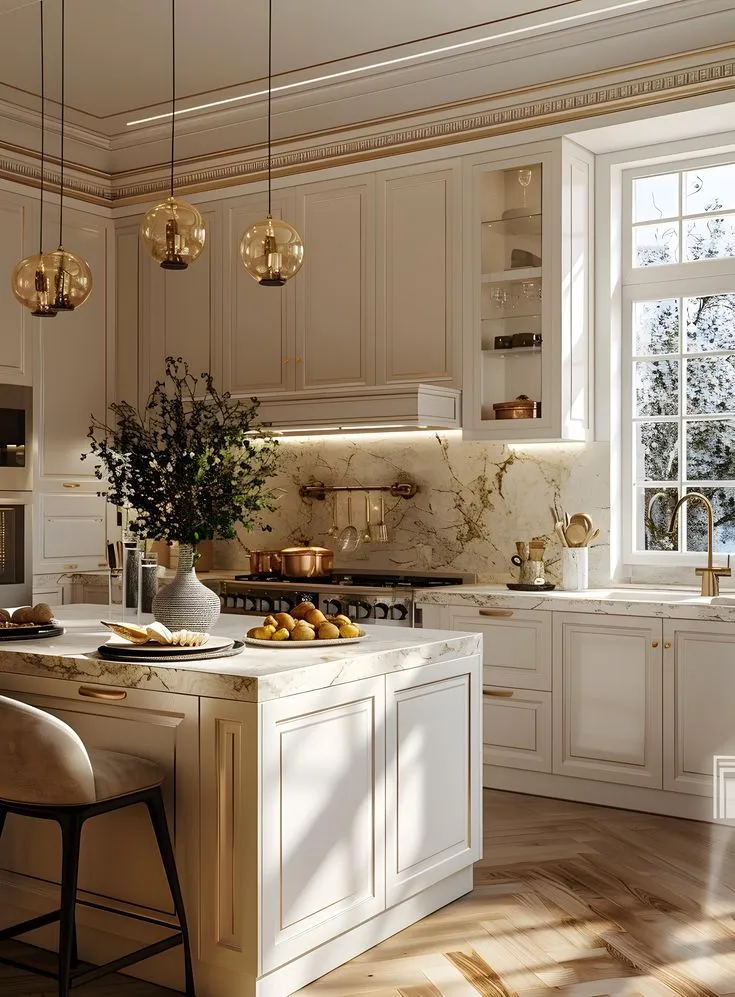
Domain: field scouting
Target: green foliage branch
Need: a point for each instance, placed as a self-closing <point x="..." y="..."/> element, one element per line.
<point x="191" y="466"/>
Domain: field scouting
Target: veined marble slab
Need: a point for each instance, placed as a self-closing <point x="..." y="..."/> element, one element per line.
<point x="254" y="675"/>
<point x="673" y="604"/>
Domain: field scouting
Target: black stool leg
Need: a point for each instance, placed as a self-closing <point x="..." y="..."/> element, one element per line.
<point x="160" y="826"/>
<point x="71" y="833"/>
<point x="3" y="815"/>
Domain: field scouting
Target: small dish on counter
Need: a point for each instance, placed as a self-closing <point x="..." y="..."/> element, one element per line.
<point x="124" y="647"/>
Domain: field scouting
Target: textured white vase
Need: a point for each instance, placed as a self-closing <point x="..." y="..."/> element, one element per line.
<point x="185" y="603"/>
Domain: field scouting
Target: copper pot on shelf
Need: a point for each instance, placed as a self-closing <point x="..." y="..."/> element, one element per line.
<point x="306" y="562"/>
<point x="521" y="407"/>
<point x="265" y="562"/>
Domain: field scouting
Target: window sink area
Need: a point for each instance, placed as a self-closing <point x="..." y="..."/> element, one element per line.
<point x="633" y="593"/>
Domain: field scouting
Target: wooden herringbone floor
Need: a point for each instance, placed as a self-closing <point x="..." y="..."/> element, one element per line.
<point x="569" y="900"/>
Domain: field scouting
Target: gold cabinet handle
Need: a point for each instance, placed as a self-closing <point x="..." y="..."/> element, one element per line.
<point x="70" y="484"/>
<point x="68" y="567"/>
<point x="654" y="643"/>
<point x="94" y="692"/>
<point x="298" y="359"/>
<point x="667" y="644"/>
<point x="287" y="360"/>
<point x="500" y="693"/>
<point x="496" y="612"/>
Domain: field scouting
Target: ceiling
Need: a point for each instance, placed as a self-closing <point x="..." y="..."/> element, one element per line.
<point x="118" y="57"/>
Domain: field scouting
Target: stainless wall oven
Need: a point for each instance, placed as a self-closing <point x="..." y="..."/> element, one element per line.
<point x="15" y="548"/>
<point x="16" y="414"/>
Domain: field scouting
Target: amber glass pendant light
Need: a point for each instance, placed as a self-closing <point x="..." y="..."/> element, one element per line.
<point x="173" y="232"/>
<point x="70" y="274"/>
<point x="30" y="279"/>
<point x="271" y="250"/>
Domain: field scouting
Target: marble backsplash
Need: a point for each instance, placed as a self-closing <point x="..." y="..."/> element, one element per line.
<point x="474" y="501"/>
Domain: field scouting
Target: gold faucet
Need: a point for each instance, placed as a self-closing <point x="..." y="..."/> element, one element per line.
<point x="710" y="575"/>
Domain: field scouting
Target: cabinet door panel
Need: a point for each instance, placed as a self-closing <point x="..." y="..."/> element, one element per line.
<point x="607" y="699"/>
<point x="16" y="214"/>
<point x="432" y="774"/>
<point x="334" y="292"/>
<point x="119" y="855"/>
<point x="516" y="645"/>
<point x="323" y="814"/>
<point x="516" y="729"/>
<point x="699" y="690"/>
<point x="73" y="363"/>
<point x="71" y="532"/>
<point x="418" y="240"/>
<point x="259" y="352"/>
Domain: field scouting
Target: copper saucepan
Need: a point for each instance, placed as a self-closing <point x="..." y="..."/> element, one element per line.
<point x="265" y="562"/>
<point x="306" y="562"/>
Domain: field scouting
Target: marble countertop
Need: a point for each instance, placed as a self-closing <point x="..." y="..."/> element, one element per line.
<point x="671" y="603"/>
<point x="253" y="675"/>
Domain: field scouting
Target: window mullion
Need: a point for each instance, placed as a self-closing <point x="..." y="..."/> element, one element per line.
<point x="682" y="409"/>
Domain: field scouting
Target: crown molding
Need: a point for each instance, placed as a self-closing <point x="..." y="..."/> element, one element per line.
<point x="569" y="100"/>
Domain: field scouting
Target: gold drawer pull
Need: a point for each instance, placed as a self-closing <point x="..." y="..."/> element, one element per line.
<point x="496" y="612"/>
<point x="654" y="643"/>
<point x="94" y="692"/>
<point x="70" y="484"/>
<point x="500" y="693"/>
<point x="667" y="644"/>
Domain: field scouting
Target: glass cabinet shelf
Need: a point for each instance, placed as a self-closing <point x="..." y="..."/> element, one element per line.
<point x="518" y="351"/>
<point x="517" y="224"/>
<point x="511" y="275"/>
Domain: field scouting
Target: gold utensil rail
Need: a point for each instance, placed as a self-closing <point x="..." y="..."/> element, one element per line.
<point x="399" y="489"/>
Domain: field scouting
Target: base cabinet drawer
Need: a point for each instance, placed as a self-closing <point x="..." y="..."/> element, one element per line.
<point x="516" y="728"/>
<point x="516" y="645"/>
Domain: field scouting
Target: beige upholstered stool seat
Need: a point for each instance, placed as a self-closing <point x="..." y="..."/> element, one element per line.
<point x="116" y="774"/>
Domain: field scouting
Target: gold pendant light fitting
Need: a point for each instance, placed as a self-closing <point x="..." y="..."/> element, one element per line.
<point x="173" y="232"/>
<point x="271" y="250"/>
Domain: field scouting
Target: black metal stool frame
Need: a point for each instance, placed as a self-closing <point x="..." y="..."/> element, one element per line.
<point x="71" y="819"/>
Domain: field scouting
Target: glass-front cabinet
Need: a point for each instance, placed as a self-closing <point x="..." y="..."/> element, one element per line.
<point x="527" y="303"/>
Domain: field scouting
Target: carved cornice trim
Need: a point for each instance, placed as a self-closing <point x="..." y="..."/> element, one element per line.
<point x="29" y="174"/>
<point x="527" y="112"/>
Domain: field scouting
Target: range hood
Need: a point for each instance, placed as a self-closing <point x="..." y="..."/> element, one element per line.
<point x="390" y="407"/>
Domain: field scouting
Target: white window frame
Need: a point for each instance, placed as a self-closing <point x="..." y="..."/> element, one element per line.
<point x="670" y="280"/>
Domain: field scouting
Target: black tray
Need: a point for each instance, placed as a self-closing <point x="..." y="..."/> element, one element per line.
<point x="221" y="652"/>
<point x="35" y="632"/>
<point x="518" y="587"/>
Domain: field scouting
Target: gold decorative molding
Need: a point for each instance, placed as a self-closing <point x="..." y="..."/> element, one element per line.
<point x="521" y="110"/>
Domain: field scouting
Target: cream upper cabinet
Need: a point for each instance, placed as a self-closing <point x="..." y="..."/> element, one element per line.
<point x="527" y="276"/>
<point x="18" y="221"/>
<point x="335" y="321"/>
<point x="182" y="310"/>
<point x="418" y="300"/>
<point x="699" y="690"/>
<point x="259" y="352"/>
<point x="75" y="362"/>
<point x="607" y="698"/>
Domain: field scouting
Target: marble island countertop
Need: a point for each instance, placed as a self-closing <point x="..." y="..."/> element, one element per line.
<point x="624" y="600"/>
<point x="253" y="675"/>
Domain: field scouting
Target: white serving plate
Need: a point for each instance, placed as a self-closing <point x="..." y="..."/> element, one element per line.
<point x="116" y="643"/>
<point x="332" y="641"/>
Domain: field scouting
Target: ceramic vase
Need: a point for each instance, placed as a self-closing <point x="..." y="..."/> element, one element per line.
<point x="186" y="604"/>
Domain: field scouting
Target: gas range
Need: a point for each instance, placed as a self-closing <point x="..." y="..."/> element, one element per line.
<point x="384" y="597"/>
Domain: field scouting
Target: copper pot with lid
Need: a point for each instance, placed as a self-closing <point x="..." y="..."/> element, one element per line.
<point x="265" y="562"/>
<point x="306" y="562"/>
<point x="521" y="407"/>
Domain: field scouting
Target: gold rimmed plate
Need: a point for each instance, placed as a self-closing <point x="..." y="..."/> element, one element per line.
<point x="293" y="644"/>
<point x="124" y="647"/>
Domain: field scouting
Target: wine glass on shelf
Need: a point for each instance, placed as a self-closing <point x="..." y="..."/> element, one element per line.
<point x="525" y="176"/>
<point x="498" y="298"/>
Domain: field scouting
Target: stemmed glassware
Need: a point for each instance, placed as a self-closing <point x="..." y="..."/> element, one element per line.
<point x="525" y="176"/>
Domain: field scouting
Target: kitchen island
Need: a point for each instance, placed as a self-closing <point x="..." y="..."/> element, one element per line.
<point x="321" y="799"/>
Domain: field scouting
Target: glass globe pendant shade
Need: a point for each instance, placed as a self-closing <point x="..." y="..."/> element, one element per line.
<point x="272" y="251"/>
<point x="32" y="285"/>
<point x="71" y="279"/>
<point x="174" y="233"/>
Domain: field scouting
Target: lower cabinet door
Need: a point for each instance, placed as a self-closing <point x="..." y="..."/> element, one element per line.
<point x="699" y="692"/>
<point x="119" y="858"/>
<point x="433" y="791"/>
<point x="608" y="699"/>
<point x="516" y="730"/>
<point x="323" y="816"/>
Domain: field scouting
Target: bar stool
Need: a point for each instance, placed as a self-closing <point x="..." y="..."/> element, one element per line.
<point x="46" y="772"/>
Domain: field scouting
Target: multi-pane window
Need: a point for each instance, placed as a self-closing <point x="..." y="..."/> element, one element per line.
<point x="679" y="324"/>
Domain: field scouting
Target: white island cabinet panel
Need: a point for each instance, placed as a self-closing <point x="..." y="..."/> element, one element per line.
<point x="607" y="699"/>
<point x="432" y="829"/>
<point x="699" y="692"/>
<point x="323" y="814"/>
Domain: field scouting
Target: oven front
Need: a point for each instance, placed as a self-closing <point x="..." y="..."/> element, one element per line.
<point x="15" y="548"/>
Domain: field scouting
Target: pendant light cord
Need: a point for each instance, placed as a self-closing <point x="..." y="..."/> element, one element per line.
<point x="173" y="88"/>
<point x="63" y="75"/>
<point x="43" y="134"/>
<point x="270" y="87"/>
